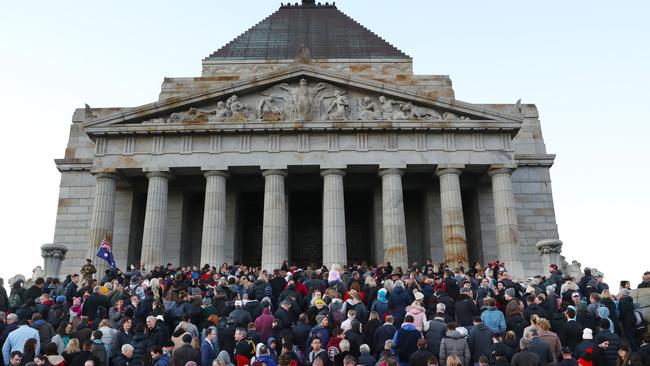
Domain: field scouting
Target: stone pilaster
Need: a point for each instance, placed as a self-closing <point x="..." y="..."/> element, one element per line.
<point x="505" y="218"/>
<point x="275" y="232"/>
<point x="103" y="217"/>
<point x="53" y="255"/>
<point x="154" y="219"/>
<point x="214" y="218"/>
<point x="394" y="235"/>
<point x="550" y="252"/>
<point x="451" y="209"/>
<point x="334" y="243"/>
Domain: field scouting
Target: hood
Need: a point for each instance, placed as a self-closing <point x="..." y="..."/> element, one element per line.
<point x="482" y="326"/>
<point x="415" y="309"/>
<point x="270" y="341"/>
<point x="453" y="334"/>
<point x="38" y="323"/>
<point x="266" y="311"/>
<point x="55" y="359"/>
<point x="409" y="326"/>
<point x="224" y="356"/>
<point x="603" y="312"/>
<point x="381" y="296"/>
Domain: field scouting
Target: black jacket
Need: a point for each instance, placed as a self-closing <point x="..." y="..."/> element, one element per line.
<point x="526" y="358"/>
<point x="539" y="347"/>
<point x="187" y="353"/>
<point x="571" y="334"/>
<point x="517" y="323"/>
<point x="420" y="357"/>
<point x="383" y="333"/>
<point x="466" y="310"/>
<point x="480" y="341"/>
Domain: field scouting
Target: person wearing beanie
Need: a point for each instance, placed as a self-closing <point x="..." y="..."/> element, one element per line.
<point x="587" y="342"/>
<point x="605" y="335"/>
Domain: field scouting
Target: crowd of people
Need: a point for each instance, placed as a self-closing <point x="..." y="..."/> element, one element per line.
<point x="425" y="315"/>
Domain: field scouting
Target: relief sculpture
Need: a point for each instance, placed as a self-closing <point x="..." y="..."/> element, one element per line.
<point x="303" y="102"/>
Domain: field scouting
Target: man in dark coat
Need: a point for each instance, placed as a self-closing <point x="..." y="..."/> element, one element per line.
<point x="611" y="352"/>
<point x="36" y="290"/>
<point x="526" y="357"/>
<point x="571" y="334"/>
<point x="355" y="337"/>
<point x="451" y="285"/>
<point x="539" y="347"/>
<point x="383" y="333"/>
<point x="239" y="316"/>
<point x="480" y="340"/>
<point x="466" y="308"/>
<point x="436" y="332"/>
<point x="406" y="339"/>
<point x="94" y="302"/>
<point x="422" y="355"/>
<point x="186" y="352"/>
<point x="283" y="315"/>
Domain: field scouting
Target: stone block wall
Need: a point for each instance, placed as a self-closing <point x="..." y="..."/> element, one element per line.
<point x="535" y="213"/>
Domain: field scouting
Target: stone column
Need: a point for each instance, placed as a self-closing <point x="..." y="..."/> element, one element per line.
<point x="453" y="222"/>
<point x="505" y="218"/>
<point x="214" y="218"/>
<point x="395" y="250"/>
<point x="275" y="232"/>
<point x="334" y="245"/>
<point x="154" y="219"/>
<point x="103" y="217"/>
<point x="53" y="255"/>
<point x="549" y="252"/>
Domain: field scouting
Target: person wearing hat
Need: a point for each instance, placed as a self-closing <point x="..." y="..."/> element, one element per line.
<point x="587" y="342"/>
<point x="567" y="358"/>
<point x="239" y="316"/>
<point x="417" y="311"/>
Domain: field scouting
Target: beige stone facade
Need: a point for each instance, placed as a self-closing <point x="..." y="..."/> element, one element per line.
<point x="307" y="159"/>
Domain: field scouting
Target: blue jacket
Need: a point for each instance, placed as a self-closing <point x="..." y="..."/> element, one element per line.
<point x="494" y="319"/>
<point x="16" y="341"/>
<point x="322" y="333"/>
<point x="208" y="354"/>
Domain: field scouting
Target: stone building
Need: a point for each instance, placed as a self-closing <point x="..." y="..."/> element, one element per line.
<point x="307" y="138"/>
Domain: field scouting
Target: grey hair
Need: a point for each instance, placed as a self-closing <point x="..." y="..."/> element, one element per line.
<point x="127" y="348"/>
<point x="364" y="348"/>
<point x="399" y="283"/>
<point x="524" y="343"/>
<point x="344" y="345"/>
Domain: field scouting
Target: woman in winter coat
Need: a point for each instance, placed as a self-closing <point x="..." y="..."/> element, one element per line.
<point x="264" y="323"/>
<point x="62" y="337"/>
<point x="141" y="344"/>
<point x="380" y="305"/>
<point x="454" y="344"/>
<point x="549" y="337"/>
<point x="53" y="355"/>
<point x="417" y="311"/>
<point x="515" y="319"/>
<point x="397" y="302"/>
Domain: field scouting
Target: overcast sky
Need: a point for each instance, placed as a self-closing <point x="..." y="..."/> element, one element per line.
<point x="585" y="64"/>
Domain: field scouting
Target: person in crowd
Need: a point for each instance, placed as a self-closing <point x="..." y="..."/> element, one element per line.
<point x="454" y="344"/>
<point x="16" y="341"/>
<point x="406" y="340"/>
<point x="525" y="357"/>
<point x="422" y="355"/>
<point x="480" y="340"/>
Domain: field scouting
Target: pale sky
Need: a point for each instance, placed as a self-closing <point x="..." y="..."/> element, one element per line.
<point x="585" y="64"/>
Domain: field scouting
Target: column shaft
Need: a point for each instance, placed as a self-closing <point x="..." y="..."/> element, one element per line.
<point x="275" y="235"/>
<point x="453" y="222"/>
<point x="214" y="219"/>
<point x="334" y="242"/>
<point x="505" y="217"/>
<point x="103" y="217"/>
<point x="395" y="250"/>
<point x="155" y="219"/>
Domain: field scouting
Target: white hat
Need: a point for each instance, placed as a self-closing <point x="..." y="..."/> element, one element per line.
<point x="587" y="334"/>
<point x="418" y="295"/>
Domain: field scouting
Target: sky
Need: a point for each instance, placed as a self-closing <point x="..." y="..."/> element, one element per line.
<point x="585" y="64"/>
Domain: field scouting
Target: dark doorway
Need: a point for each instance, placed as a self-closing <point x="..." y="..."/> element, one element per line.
<point x="136" y="231"/>
<point x="358" y="211"/>
<point x="306" y="228"/>
<point x="250" y="233"/>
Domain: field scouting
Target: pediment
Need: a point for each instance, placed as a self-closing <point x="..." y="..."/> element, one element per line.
<point x="302" y="94"/>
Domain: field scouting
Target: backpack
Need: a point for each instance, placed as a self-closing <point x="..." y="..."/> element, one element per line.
<point x="252" y="344"/>
<point x="14" y="300"/>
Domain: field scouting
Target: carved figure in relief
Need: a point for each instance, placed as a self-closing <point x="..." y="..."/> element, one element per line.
<point x="267" y="109"/>
<point x="414" y="112"/>
<point x="302" y="99"/>
<point x="339" y="107"/>
<point x="388" y="110"/>
<point x="368" y="109"/>
<point x="237" y="112"/>
<point x="221" y="113"/>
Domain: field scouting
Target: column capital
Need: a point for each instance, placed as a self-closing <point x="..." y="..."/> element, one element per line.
<point x="449" y="169"/>
<point x="281" y="172"/>
<point x="397" y="171"/>
<point x="217" y="173"/>
<point x="54" y="251"/>
<point x="325" y="172"/>
<point x="549" y="246"/>
<point x="105" y="175"/>
<point x="501" y="169"/>
<point x="161" y="174"/>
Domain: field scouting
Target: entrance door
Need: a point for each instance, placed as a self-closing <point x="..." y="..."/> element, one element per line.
<point x="358" y="208"/>
<point x="252" y="215"/>
<point x="306" y="228"/>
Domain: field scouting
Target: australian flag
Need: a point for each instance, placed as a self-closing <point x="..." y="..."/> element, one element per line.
<point x="106" y="253"/>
